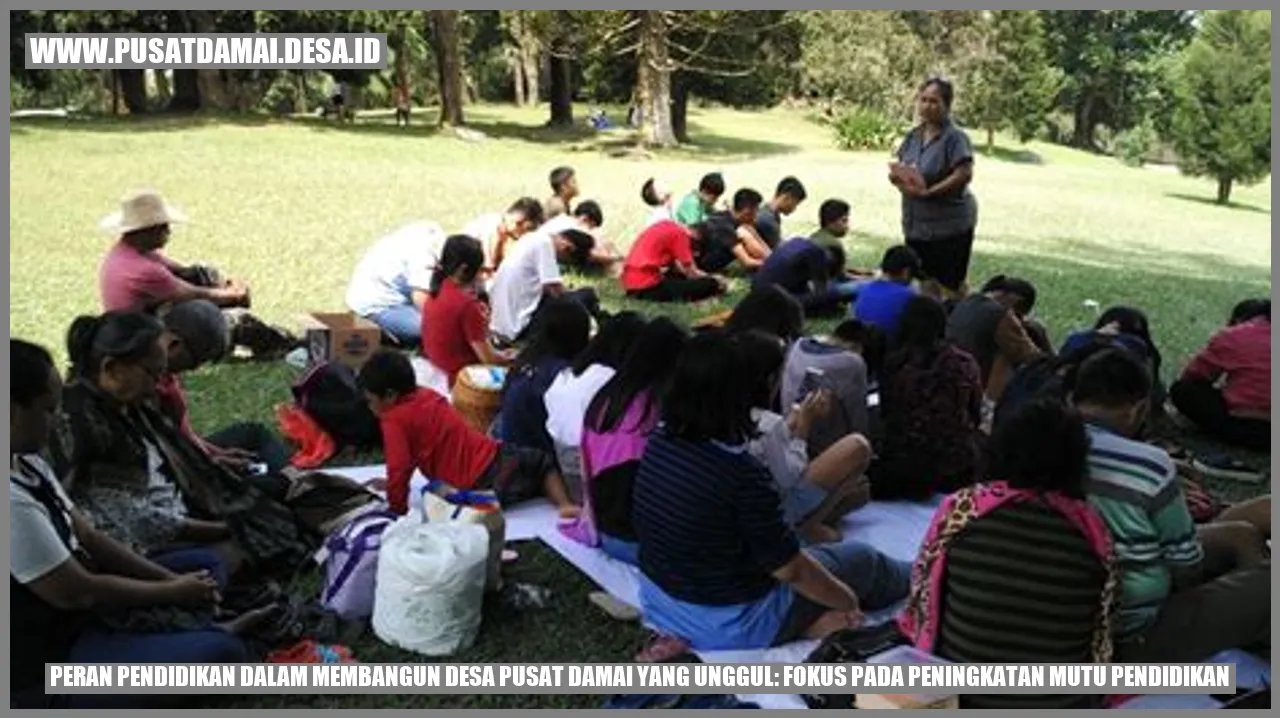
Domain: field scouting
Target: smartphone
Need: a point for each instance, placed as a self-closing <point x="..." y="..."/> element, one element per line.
<point x="814" y="379"/>
<point x="257" y="469"/>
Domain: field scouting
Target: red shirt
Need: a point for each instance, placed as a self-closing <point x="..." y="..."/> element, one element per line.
<point x="422" y="431"/>
<point x="659" y="246"/>
<point x="450" y="322"/>
<point x="1243" y="354"/>
<point x="135" y="281"/>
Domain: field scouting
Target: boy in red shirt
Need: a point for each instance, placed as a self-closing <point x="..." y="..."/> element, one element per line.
<point x="660" y="265"/>
<point x="1226" y="389"/>
<point x="421" y="430"/>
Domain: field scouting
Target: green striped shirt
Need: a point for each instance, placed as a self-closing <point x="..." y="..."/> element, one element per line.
<point x="1135" y="488"/>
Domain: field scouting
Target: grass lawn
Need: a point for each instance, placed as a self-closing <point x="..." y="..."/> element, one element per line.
<point x="289" y="206"/>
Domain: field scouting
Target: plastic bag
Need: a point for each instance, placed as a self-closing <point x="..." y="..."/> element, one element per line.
<point x="442" y="503"/>
<point x="430" y="585"/>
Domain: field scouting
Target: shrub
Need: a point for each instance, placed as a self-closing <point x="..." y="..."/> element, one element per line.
<point x="864" y="129"/>
<point x="1133" y="146"/>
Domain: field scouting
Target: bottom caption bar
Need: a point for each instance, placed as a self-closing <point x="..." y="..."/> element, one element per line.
<point x="551" y="678"/>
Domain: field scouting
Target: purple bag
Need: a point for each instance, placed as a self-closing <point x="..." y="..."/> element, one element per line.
<point x="351" y="564"/>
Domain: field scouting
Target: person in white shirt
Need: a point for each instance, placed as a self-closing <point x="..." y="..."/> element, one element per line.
<point x="532" y="271"/>
<point x="390" y="283"/>
<point x="659" y="197"/>
<point x="63" y="571"/>
<point x="588" y="217"/>
<point x="497" y="231"/>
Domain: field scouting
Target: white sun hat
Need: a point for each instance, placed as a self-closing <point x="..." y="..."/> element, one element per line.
<point x="141" y="210"/>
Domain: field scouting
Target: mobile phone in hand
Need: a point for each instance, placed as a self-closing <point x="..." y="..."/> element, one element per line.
<point x="814" y="380"/>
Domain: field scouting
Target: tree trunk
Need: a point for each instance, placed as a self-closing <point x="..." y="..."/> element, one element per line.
<point x="653" y="80"/>
<point x="561" y="71"/>
<point x="529" y="62"/>
<point x="114" y="77"/>
<point x="186" y="91"/>
<point x="300" y="99"/>
<point x="133" y="90"/>
<point x="402" y="60"/>
<point x="680" y="107"/>
<point x="518" y="76"/>
<point x="444" y="36"/>
<point x="1224" y="189"/>
<point x="212" y="89"/>
<point x="991" y="139"/>
<point x="1082" y="133"/>
<point x="163" y="91"/>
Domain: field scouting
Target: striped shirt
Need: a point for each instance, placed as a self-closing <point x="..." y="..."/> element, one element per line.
<point x="1135" y="489"/>
<point x="1022" y="586"/>
<point x="709" y="522"/>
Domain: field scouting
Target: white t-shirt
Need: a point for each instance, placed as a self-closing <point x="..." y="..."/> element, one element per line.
<point x="34" y="546"/>
<point x="394" y="266"/>
<point x="517" y="285"/>
<point x="661" y="213"/>
<point x="567" y="400"/>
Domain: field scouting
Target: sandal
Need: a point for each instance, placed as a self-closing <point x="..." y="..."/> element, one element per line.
<point x="662" y="648"/>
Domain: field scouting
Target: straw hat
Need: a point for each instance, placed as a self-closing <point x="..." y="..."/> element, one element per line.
<point x="140" y="211"/>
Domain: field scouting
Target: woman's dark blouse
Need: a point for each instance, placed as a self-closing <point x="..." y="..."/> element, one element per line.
<point x="940" y="216"/>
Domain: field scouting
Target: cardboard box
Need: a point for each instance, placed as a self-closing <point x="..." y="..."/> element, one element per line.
<point x="340" y="336"/>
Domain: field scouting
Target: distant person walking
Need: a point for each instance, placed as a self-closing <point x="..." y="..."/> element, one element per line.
<point x="933" y="170"/>
<point x="402" y="104"/>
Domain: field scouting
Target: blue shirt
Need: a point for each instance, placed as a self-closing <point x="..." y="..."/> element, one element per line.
<point x="524" y="413"/>
<point x="880" y="303"/>
<point x="711" y="535"/>
<point x="793" y="265"/>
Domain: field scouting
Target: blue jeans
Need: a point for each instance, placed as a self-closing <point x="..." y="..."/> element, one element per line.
<point x="878" y="581"/>
<point x="402" y="323"/>
<point x="210" y="645"/>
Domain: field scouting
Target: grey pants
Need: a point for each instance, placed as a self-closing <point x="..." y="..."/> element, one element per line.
<point x="570" y="460"/>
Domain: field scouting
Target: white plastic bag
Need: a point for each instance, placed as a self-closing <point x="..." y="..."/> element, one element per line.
<point x="430" y="586"/>
<point x="441" y="503"/>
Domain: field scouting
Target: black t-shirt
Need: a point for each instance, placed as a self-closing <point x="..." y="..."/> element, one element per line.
<point x="715" y="250"/>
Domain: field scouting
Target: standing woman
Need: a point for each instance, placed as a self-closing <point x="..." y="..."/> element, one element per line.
<point x="933" y="171"/>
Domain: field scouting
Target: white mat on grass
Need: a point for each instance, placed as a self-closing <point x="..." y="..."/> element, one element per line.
<point x="894" y="528"/>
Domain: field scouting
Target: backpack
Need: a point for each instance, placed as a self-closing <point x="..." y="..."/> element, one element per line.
<point x="331" y="396"/>
<point x="350" y="558"/>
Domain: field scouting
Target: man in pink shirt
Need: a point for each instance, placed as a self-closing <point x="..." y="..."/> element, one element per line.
<point x="136" y="276"/>
<point x="1226" y="389"/>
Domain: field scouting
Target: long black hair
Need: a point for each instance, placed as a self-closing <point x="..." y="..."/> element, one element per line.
<point x="128" y="337"/>
<point x="647" y="367"/>
<point x="1133" y="322"/>
<point x="708" y="397"/>
<point x="29" y="372"/>
<point x="921" y="334"/>
<point x="768" y="308"/>
<point x="610" y="344"/>
<point x="1043" y="447"/>
<point x="560" y="329"/>
<point x="461" y="252"/>
<point x="763" y="357"/>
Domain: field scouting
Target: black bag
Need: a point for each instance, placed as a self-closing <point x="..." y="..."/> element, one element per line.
<point x="201" y="275"/>
<point x="330" y="395"/>
<point x="853" y="645"/>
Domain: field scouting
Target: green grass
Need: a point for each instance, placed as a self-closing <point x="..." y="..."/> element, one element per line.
<point x="289" y="206"/>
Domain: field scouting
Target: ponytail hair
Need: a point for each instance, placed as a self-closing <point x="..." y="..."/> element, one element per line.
<point x="461" y="252"/>
<point x="122" y="336"/>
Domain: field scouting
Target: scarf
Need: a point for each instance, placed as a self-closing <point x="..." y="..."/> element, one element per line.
<point x="921" y="618"/>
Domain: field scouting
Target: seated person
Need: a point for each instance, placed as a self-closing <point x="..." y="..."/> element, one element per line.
<point x="1126" y="327"/>
<point x="931" y="404"/>
<point x="615" y="429"/>
<point x="1226" y="389"/>
<point x="559" y="335"/>
<point x="497" y="232"/>
<point x="531" y="275"/>
<point x="421" y="431"/>
<point x="660" y="266"/>
<point x="66" y="576"/>
<point x="195" y="335"/>
<point x="768" y="309"/>
<point x="142" y="480"/>
<point x="389" y="285"/>
<point x="587" y="217"/>
<point x="881" y="301"/>
<point x="833" y="227"/>
<point x="1185" y="596"/>
<point x="786" y="199"/>
<point x="810" y="273"/>
<point x="564" y="189"/>
<point x="136" y="276"/>
<point x="695" y="206"/>
<point x="575" y="386"/>
<point x="455" y="323"/>
<point x="1029" y="527"/>
<point x="816" y="493"/>
<point x="720" y="248"/>
<point x="658" y="198"/>
<point x="1049" y="376"/>
<point x="991" y="326"/>
<point x="848" y="360"/>
<point x="720" y="570"/>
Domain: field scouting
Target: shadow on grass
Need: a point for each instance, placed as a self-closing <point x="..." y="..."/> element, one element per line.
<point x="704" y="143"/>
<point x="1211" y="202"/>
<point x="1005" y="154"/>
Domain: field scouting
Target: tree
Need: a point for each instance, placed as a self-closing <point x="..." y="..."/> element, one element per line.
<point x="1012" y="84"/>
<point x="521" y="27"/>
<point x="1109" y="60"/>
<point x="868" y="58"/>
<point x="1222" y="122"/>
<point x="447" y="46"/>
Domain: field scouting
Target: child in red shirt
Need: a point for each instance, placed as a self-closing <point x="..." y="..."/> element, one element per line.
<point x="455" y="323"/>
<point x="421" y="430"/>
<point x="660" y="265"/>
